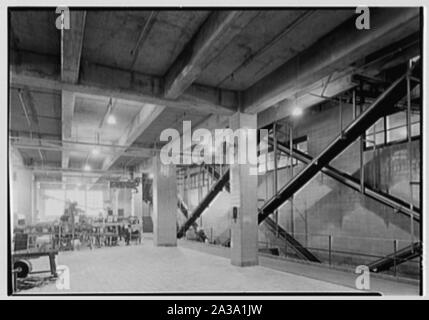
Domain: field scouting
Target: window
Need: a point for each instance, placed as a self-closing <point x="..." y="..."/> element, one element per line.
<point x="376" y="134"/>
<point x="392" y="129"/>
<point x="266" y="163"/>
<point x="55" y="201"/>
<point x="94" y="202"/>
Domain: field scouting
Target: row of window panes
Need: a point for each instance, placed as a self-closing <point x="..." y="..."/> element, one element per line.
<point x="396" y="129"/>
<point x="55" y="201"/>
<point x="266" y="162"/>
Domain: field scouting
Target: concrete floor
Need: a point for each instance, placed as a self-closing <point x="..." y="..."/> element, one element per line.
<point x="148" y="269"/>
<point x="196" y="268"/>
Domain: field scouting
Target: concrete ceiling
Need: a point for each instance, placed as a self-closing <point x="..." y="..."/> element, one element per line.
<point x="268" y="41"/>
<point x="89" y="119"/>
<point x="35" y="31"/>
<point x="111" y="36"/>
<point x="162" y="67"/>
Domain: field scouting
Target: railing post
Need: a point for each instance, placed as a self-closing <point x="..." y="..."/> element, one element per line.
<point x="330" y="249"/>
<point x="395" y="249"/>
<point x="354" y="104"/>
<point x="361" y="144"/>
<point x="410" y="158"/>
<point x="306" y="224"/>
<point x="286" y="248"/>
<point x="276" y="213"/>
<point x="340" y="106"/>
<point x="292" y="218"/>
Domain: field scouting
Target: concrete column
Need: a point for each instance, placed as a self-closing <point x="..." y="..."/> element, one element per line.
<point x="164" y="204"/>
<point x="244" y="186"/>
<point x="132" y="204"/>
<point x="115" y="201"/>
<point x="138" y="202"/>
<point x="41" y="202"/>
<point x="34" y="216"/>
<point x="107" y="198"/>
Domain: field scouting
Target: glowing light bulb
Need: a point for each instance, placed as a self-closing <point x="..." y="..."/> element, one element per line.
<point x="297" y="112"/>
<point x="111" y="119"/>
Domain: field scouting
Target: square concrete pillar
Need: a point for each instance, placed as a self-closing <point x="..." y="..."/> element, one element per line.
<point x="244" y="184"/>
<point x="164" y="204"/>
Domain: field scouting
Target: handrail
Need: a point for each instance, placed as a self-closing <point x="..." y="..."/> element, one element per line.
<point x="354" y="183"/>
<point x="365" y="120"/>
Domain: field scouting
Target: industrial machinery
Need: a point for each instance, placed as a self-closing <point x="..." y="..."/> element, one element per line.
<point x="29" y="243"/>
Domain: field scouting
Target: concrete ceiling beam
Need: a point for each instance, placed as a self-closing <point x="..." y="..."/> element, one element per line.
<point x="210" y="40"/>
<point x="147" y="27"/>
<point x="336" y="51"/>
<point x="211" y="122"/>
<point x="71" y="47"/>
<point x="71" y="52"/>
<point x="67" y="111"/>
<point x="94" y="173"/>
<point x="30" y="110"/>
<point x="138" y="125"/>
<point x="307" y="98"/>
<point x="84" y="148"/>
<point x="41" y="71"/>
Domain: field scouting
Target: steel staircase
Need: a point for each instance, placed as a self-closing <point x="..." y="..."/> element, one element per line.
<point x="215" y="173"/>
<point x="203" y="205"/>
<point x="366" y="119"/>
<point x="354" y="183"/>
<point x="184" y="209"/>
<point x="298" y="247"/>
<point x="321" y="163"/>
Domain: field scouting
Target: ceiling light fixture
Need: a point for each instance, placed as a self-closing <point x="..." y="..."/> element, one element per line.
<point x="87" y="167"/>
<point x="111" y="119"/>
<point x="297" y="112"/>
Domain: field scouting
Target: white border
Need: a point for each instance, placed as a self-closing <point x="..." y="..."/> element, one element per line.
<point x="193" y="3"/>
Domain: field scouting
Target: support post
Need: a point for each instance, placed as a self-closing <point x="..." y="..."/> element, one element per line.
<point x="354" y="103"/>
<point x="306" y="223"/>
<point x="361" y="148"/>
<point x="395" y="249"/>
<point x="244" y="185"/>
<point x="164" y="203"/>
<point x="276" y="213"/>
<point x="410" y="157"/>
<point x="374" y="157"/>
<point x="340" y="106"/>
<point x="292" y="226"/>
